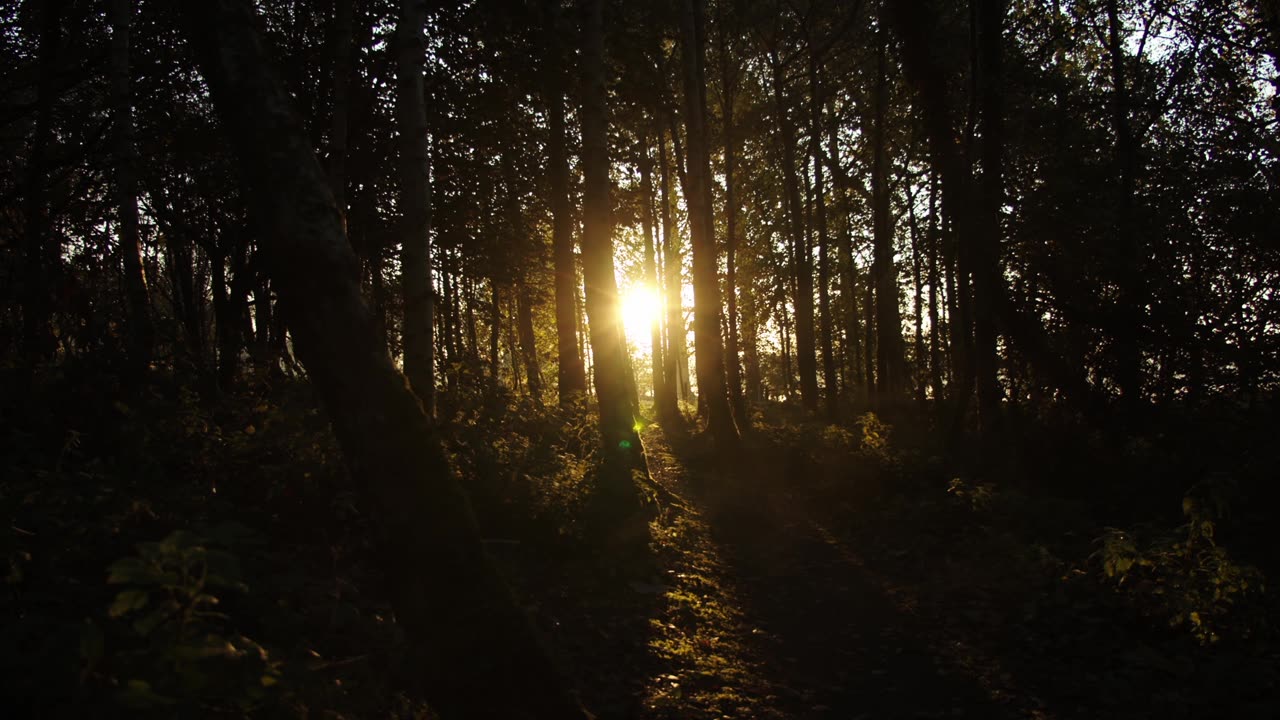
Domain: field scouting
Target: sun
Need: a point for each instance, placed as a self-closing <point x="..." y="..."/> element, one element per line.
<point x="639" y="307"/>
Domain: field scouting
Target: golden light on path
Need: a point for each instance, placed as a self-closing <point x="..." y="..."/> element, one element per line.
<point x="639" y="306"/>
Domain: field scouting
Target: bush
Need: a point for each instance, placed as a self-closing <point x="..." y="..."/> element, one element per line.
<point x="1187" y="577"/>
<point x="175" y="647"/>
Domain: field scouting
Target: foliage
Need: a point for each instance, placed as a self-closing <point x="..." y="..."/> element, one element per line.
<point x="1188" y="578"/>
<point x="176" y="648"/>
<point x="527" y="465"/>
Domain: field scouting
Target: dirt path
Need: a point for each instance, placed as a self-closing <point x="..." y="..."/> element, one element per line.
<point x="765" y="614"/>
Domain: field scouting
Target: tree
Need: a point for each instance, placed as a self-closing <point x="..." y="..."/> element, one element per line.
<point x="473" y="638"/>
<point x="622" y="451"/>
<point x="730" y="80"/>
<point x="572" y="378"/>
<point x="801" y="257"/>
<point x="709" y="358"/>
<point x="142" y="331"/>
<point x="890" y="364"/>
<point x="415" y="204"/>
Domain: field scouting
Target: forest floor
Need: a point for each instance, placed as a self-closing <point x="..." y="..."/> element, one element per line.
<point x="771" y="597"/>
<point x="819" y="572"/>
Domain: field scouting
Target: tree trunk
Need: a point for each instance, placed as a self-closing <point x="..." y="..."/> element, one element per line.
<point x="495" y="331"/>
<point x="571" y="380"/>
<point x="415" y="205"/>
<point x="806" y="346"/>
<point x="890" y="364"/>
<point x="230" y="301"/>
<point x="668" y="404"/>
<point x="622" y="451"/>
<point x="825" y="324"/>
<point x="42" y="252"/>
<point x="935" y="351"/>
<point x="141" y="329"/>
<point x="987" y="276"/>
<point x="681" y="325"/>
<point x="656" y="357"/>
<point x="528" y="341"/>
<point x="730" y="75"/>
<point x="709" y="359"/>
<point x="480" y="657"/>
<point x="917" y="304"/>
<point x="1130" y="320"/>
<point x="341" y="40"/>
<point x="957" y="200"/>
<point x="847" y="269"/>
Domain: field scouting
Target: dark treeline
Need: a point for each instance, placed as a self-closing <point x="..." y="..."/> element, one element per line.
<point x="1040" y="234"/>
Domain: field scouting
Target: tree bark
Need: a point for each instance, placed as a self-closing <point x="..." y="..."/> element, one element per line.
<point x="825" y="323"/>
<point x="890" y="364"/>
<point x="41" y="252"/>
<point x="935" y="351"/>
<point x="668" y="404"/>
<point x="141" y="328"/>
<point x="709" y="358"/>
<point x="528" y="341"/>
<point x="480" y="657"/>
<point x="341" y="40"/>
<point x="987" y="275"/>
<point x="730" y="76"/>
<point x="1131" y="321"/>
<point x="622" y="451"/>
<point x="571" y="379"/>
<point x="661" y="397"/>
<point x="806" y="345"/>
<point x="956" y="181"/>
<point x="415" y="205"/>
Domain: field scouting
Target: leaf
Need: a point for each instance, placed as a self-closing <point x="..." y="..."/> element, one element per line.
<point x="127" y="601"/>
<point x="131" y="570"/>
<point x="146" y="625"/>
<point x="139" y="695"/>
<point x="224" y="570"/>
<point x="92" y="644"/>
<point x="181" y="540"/>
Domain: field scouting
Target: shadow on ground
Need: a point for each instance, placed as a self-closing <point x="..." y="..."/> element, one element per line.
<point x="765" y="614"/>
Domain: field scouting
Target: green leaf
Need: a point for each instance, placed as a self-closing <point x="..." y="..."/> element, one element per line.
<point x="138" y="694"/>
<point x="92" y="644"/>
<point x="146" y="625"/>
<point x="131" y="570"/>
<point x="224" y="570"/>
<point x="127" y="601"/>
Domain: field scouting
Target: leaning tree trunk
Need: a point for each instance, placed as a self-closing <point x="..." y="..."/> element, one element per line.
<point x="709" y="359"/>
<point x="622" y="451"/>
<point x="479" y="655"/>
<point x="141" y="329"/>
<point x="415" y="205"/>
